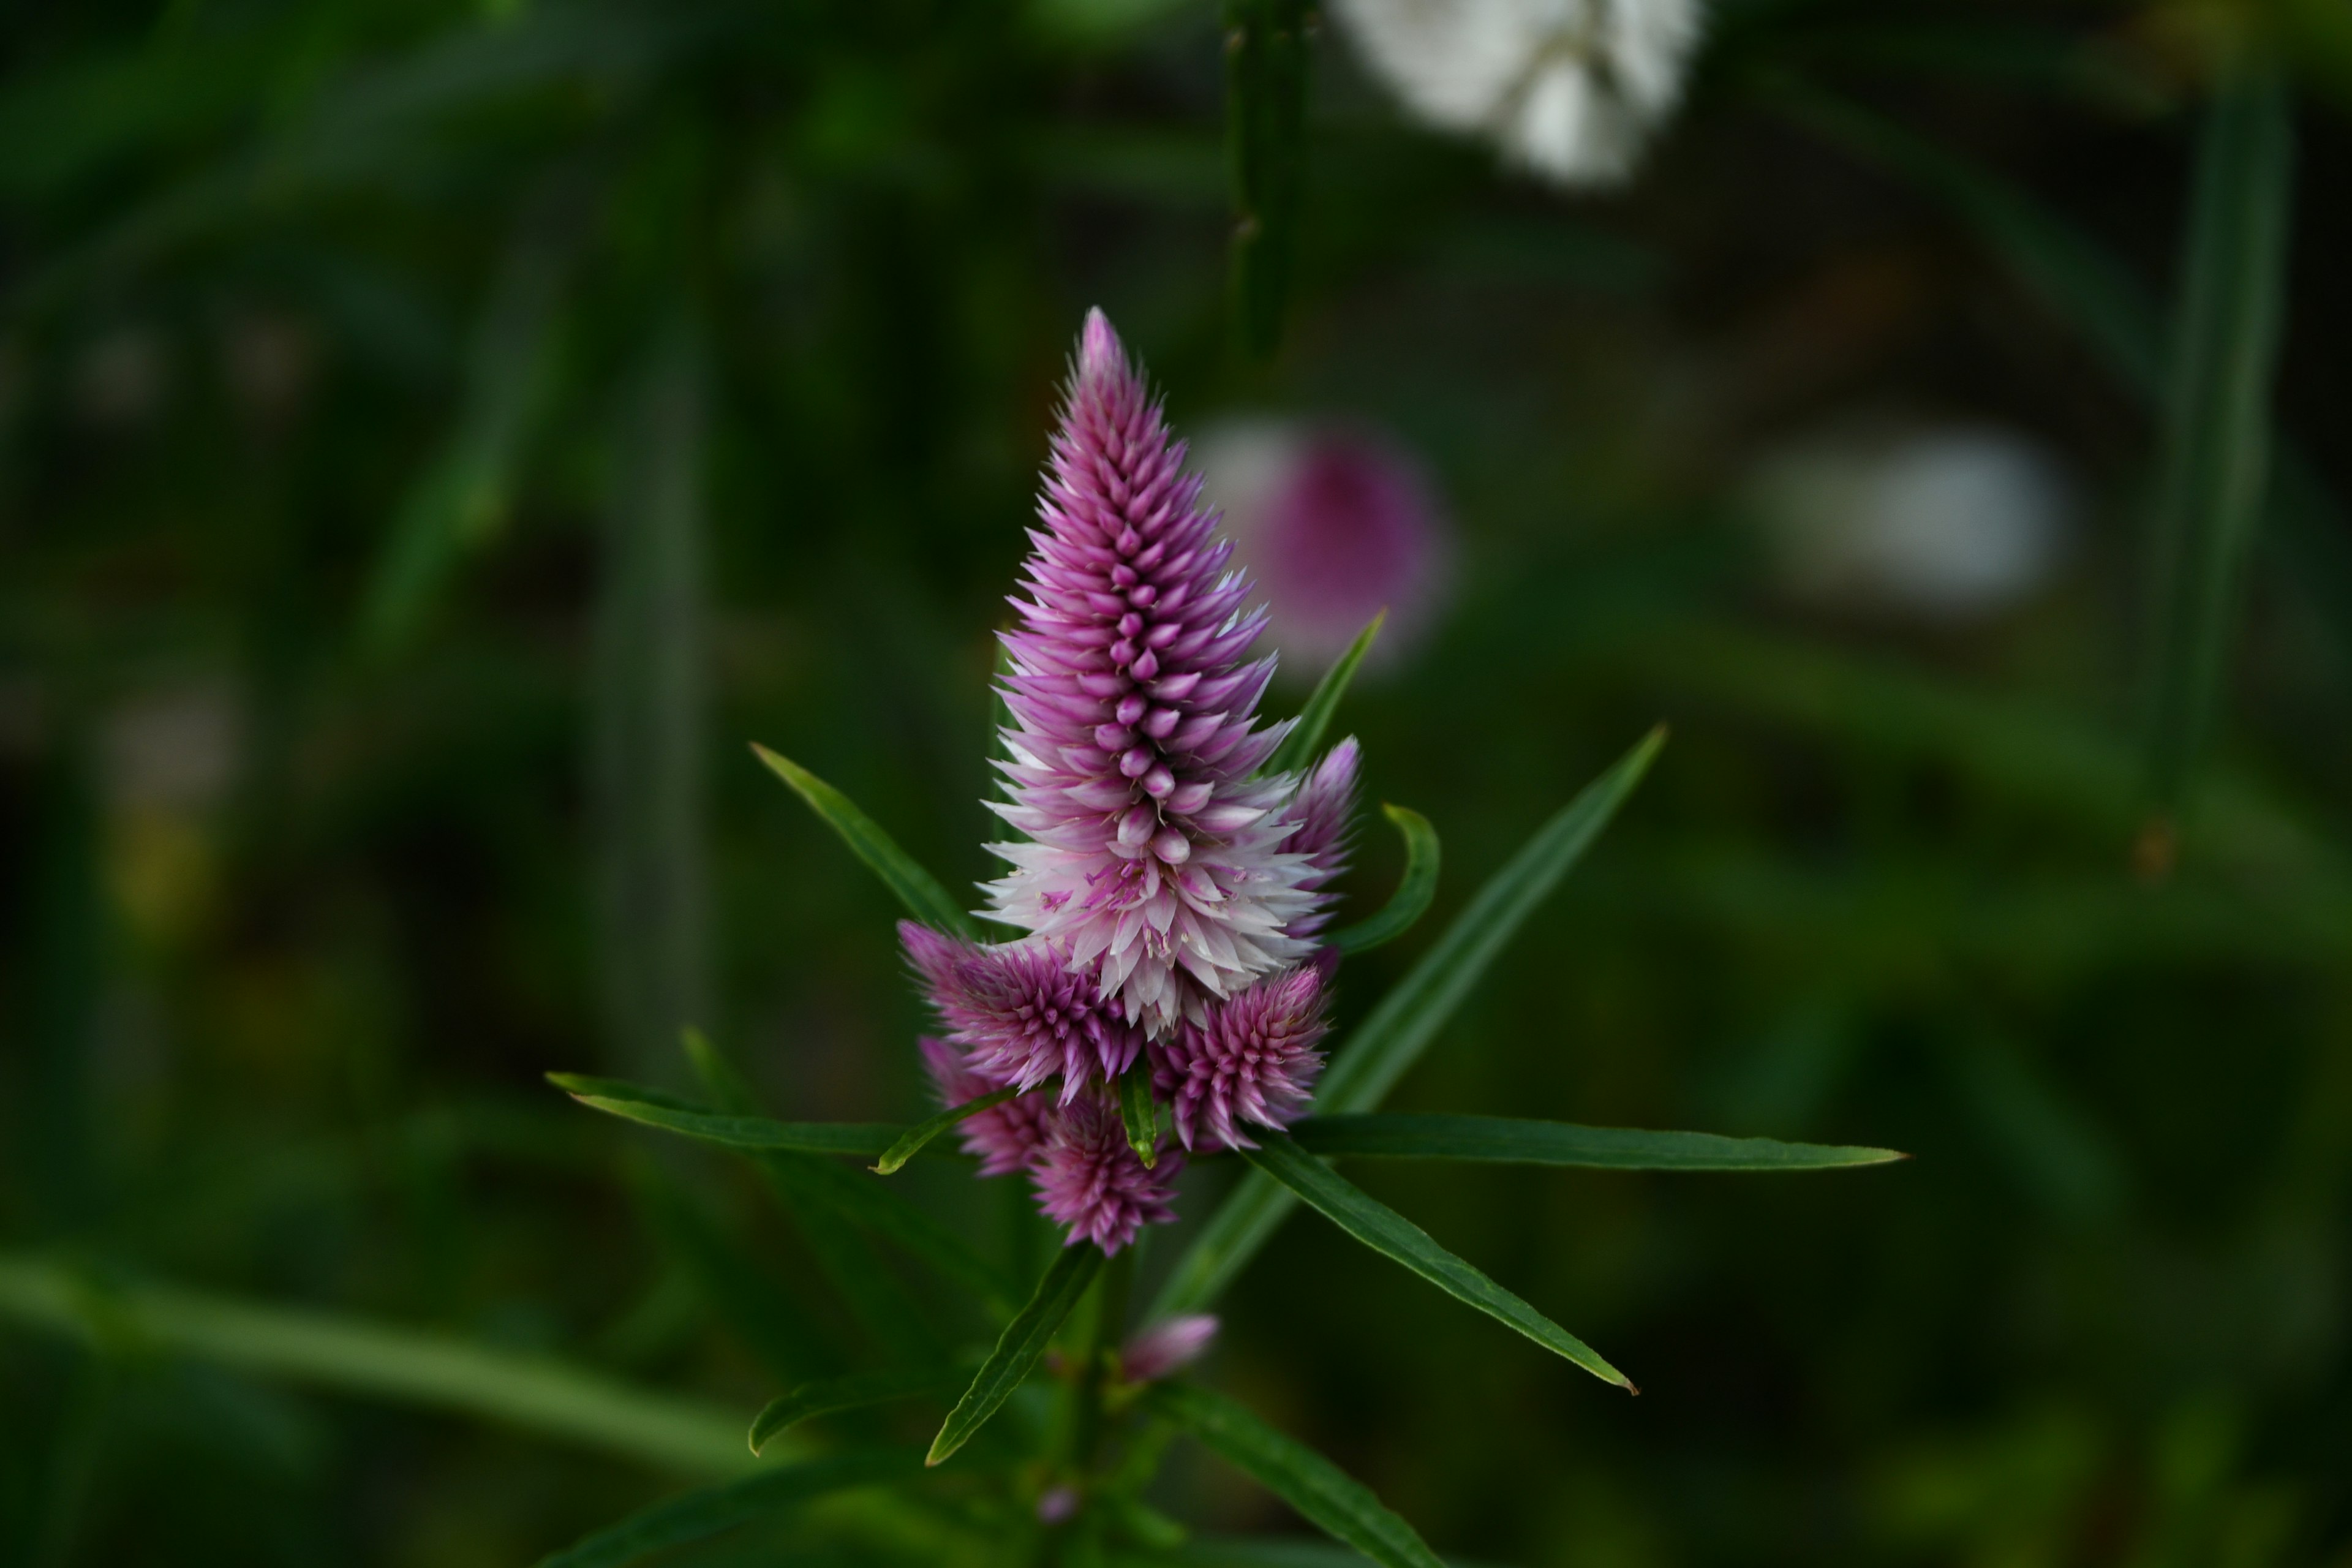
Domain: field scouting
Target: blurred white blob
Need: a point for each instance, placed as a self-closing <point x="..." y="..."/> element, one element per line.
<point x="1334" y="524"/>
<point x="1952" y="523"/>
<point x="1570" y="88"/>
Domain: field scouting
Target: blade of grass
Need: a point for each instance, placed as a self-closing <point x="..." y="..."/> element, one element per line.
<point x="854" y="1392"/>
<point x="1510" y="1140"/>
<point x="911" y="1142"/>
<point x="1140" y="1114"/>
<point x="379" y="1361"/>
<point x="1299" y="748"/>
<point x="923" y="895"/>
<point x="1388" y="1042"/>
<point x="1325" y="1495"/>
<point x="2222" y="363"/>
<point x="1415" y="888"/>
<point x="698" y="1516"/>
<point x="1388" y="1233"/>
<point x="651" y="1108"/>
<point x="1017" y="1350"/>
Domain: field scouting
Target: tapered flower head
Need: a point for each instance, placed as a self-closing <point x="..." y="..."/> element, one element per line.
<point x="1168" y="1345"/>
<point x="1090" y="1180"/>
<point x="1150" y="858"/>
<point x="1019" y="1012"/>
<point x="1253" y="1059"/>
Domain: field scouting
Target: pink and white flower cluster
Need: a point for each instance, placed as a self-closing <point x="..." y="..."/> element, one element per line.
<point x="1172" y="890"/>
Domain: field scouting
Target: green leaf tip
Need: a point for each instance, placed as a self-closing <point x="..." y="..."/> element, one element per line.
<point x="1019" y="1349"/>
<point x="1415" y="890"/>
<point x="922" y="1132"/>
<point x="1141" y="1115"/>
<point x="1297" y="748"/>
<point x="922" y="894"/>
<point x="856" y="1392"/>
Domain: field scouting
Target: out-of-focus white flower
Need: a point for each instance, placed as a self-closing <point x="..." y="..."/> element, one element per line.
<point x="1954" y="523"/>
<point x="1334" y="525"/>
<point x="1570" y="88"/>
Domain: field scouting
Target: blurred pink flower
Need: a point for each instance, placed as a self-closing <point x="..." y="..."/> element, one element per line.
<point x="1168" y="1345"/>
<point x="1335" y="524"/>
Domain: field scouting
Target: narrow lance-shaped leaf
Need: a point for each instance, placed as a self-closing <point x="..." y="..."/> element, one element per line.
<point x="1508" y="1140"/>
<point x="651" y="1108"/>
<point x="1388" y="1042"/>
<point x="698" y="1516"/>
<point x="1017" y="1350"/>
<point x="854" y="1392"/>
<point x="1140" y="1114"/>
<point x="916" y="888"/>
<point x="912" y="1143"/>
<point x="1387" y="1232"/>
<point x="1305" y="737"/>
<point x="2224" y="359"/>
<point x="1325" y="1495"/>
<point x="1415" y="888"/>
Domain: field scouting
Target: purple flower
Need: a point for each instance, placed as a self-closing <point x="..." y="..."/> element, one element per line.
<point x="1090" y="1180"/>
<point x="1004" y="1138"/>
<point x="1253" y="1059"/>
<point x="1151" y="859"/>
<point x="1020" y="1012"/>
<point x="1335" y="524"/>
<point x="1324" y="806"/>
<point x="1167" y="1346"/>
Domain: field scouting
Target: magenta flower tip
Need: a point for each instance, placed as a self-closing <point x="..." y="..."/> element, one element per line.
<point x="1167" y="1346"/>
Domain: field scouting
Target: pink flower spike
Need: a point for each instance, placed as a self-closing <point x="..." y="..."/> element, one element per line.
<point x="1254" y="1060"/>
<point x="1003" y="1138"/>
<point x="1325" y="805"/>
<point x="1168" y="1345"/>
<point x="1089" y="1180"/>
<point x="1149" y="856"/>
<point x="1020" y="1012"/>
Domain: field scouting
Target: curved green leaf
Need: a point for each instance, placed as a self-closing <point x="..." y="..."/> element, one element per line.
<point x="1141" y="1113"/>
<point x="923" y="895"/>
<point x="1299" y="747"/>
<point x="1414" y="890"/>
<point x="1510" y="1140"/>
<point x="911" y="1142"/>
<point x="1388" y="1042"/>
<point x="1385" y="1231"/>
<point x="1017" y="1350"/>
<point x="651" y="1108"/>
<point x="699" y="1515"/>
<point x="854" y="1392"/>
<point x="1325" y="1495"/>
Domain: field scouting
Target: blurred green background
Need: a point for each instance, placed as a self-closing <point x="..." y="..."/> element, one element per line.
<point x="434" y="438"/>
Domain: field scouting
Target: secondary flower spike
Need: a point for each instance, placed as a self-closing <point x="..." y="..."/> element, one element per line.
<point x="1254" y="1060"/>
<point x="1150" y="857"/>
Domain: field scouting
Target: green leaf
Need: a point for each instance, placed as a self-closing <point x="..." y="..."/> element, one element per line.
<point x="1508" y="1140"/>
<point x="1324" y="1495"/>
<point x="2216" y="435"/>
<point x="853" y="1392"/>
<point x="1141" y="1113"/>
<point x="917" y="889"/>
<point x="1388" y="1042"/>
<point x="912" y="1141"/>
<point x="1305" y="738"/>
<point x="379" y="1361"/>
<point x="1414" y="890"/>
<point x="1266" y="58"/>
<point x="698" y="1516"/>
<point x="1385" y="1231"/>
<point x="1017" y="1352"/>
<point x="651" y="1108"/>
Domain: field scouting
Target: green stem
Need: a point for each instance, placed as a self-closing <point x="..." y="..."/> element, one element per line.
<point x="1082" y="1430"/>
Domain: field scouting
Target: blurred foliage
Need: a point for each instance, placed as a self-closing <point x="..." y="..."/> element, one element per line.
<point x="434" y="438"/>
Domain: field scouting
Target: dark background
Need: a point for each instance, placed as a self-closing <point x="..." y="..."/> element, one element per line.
<point x="434" y="439"/>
